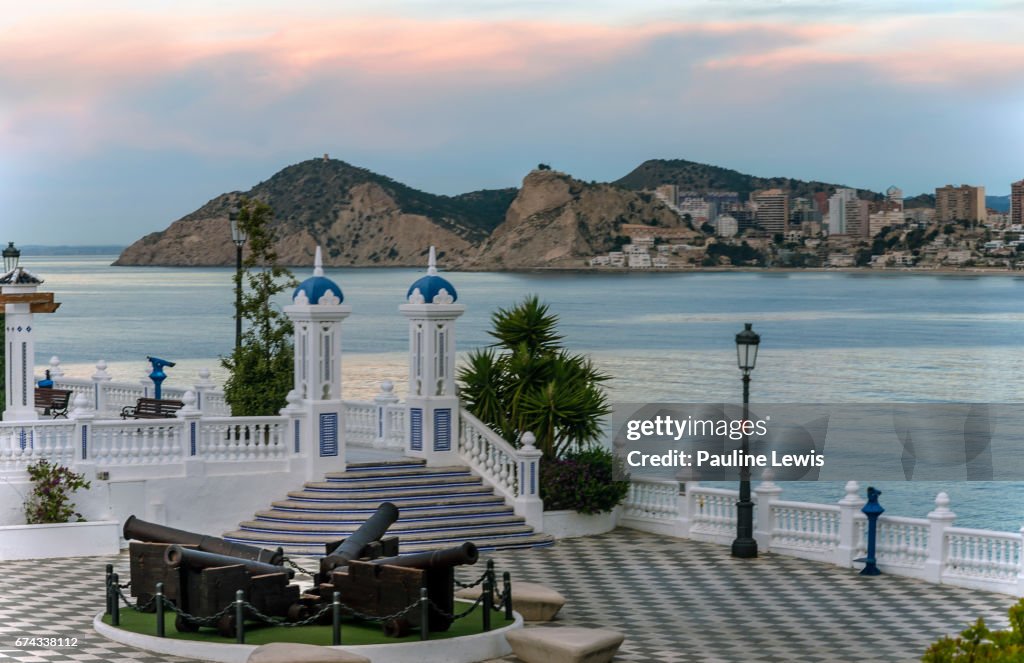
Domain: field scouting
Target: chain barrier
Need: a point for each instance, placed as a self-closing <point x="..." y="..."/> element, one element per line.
<point x="278" y="621"/>
<point x="458" y="615"/>
<point x="289" y="562"/>
<point x="483" y="576"/>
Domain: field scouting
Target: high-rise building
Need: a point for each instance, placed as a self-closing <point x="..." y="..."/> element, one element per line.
<point x="857" y="217"/>
<point x="772" y="210"/>
<point x="1017" y="202"/>
<point x="960" y="203"/>
<point x="837" y="222"/>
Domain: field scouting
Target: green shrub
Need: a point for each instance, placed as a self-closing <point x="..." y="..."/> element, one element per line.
<point x="50" y="500"/>
<point x="581" y="481"/>
<point x="978" y="644"/>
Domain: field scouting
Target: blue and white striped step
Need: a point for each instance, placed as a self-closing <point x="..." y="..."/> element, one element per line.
<point x="438" y="507"/>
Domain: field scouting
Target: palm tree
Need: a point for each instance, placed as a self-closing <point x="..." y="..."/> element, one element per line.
<point x="527" y="381"/>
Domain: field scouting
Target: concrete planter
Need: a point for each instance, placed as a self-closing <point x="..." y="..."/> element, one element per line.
<point x="567" y="524"/>
<point x="101" y="537"/>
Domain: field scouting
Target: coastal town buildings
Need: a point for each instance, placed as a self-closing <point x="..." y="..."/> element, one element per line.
<point x="837" y="210"/>
<point x="960" y="203"/>
<point x="772" y="210"/>
<point x="1017" y="203"/>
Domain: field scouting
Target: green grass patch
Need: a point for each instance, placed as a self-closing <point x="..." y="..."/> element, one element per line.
<point x="352" y="632"/>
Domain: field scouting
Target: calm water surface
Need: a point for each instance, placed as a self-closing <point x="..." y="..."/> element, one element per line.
<point x="826" y="338"/>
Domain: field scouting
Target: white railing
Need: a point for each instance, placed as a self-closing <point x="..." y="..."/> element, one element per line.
<point x="898" y="541"/>
<point x="109" y="397"/>
<point x="489" y="455"/>
<point x="149" y="442"/>
<point x="802" y="526"/>
<point x="395" y="426"/>
<point x="361" y="423"/>
<point x="513" y="473"/>
<point x="982" y="559"/>
<point x="929" y="548"/>
<point x="242" y="438"/>
<point x="22" y="444"/>
<point x="712" y="513"/>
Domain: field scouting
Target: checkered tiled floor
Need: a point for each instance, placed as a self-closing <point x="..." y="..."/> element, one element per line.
<point x="676" y="601"/>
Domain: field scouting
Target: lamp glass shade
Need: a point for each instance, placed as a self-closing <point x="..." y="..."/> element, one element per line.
<point x="11" y="257"/>
<point x="238" y="234"/>
<point x="747" y="342"/>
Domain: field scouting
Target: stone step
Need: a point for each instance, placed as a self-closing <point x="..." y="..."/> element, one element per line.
<point x="396" y="473"/>
<point x="454" y="536"/>
<point x="357" y="518"/>
<point x="382" y="496"/>
<point x="483" y="543"/>
<point x="401" y="529"/>
<point x="373" y="465"/>
<point x="367" y="507"/>
<point x="389" y="484"/>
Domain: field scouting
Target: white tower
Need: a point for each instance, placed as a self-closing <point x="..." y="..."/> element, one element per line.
<point x="316" y="312"/>
<point x="432" y="403"/>
<point x="20" y="299"/>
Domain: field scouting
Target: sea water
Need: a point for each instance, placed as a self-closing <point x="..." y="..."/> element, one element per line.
<point x="826" y="337"/>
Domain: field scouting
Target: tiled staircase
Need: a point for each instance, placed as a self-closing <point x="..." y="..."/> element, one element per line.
<point x="438" y="507"/>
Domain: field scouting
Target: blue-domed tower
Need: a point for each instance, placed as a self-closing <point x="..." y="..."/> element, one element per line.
<point x="433" y="406"/>
<point x="317" y="312"/>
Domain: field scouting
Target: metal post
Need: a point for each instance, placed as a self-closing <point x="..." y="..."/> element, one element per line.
<point x="490" y="572"/>
<point x="115" y="605"/>
<point x="424" y="614"/>
<point x="238" y="295"/>
<point x="872" y="510"/>
<point x="745" y="546"/>
<point x="507" y="579"/>
<point x="488" y="603"/>
<point x="110" y="572"/>
<point x="336" y="619"/>
<point x="159" y="609"/>
<point x="240" y="617"/>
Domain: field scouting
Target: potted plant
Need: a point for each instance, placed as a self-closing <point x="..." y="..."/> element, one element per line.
<point x="54" y="528"/>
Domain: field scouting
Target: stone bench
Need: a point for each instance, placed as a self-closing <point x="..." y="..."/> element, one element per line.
<point x="565" y="645"/>
<point x="536" y="603"/>
<point x="289" y="652"/>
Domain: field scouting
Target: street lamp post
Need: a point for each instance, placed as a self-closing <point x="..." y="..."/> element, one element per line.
<point x="239" y="237"/>
<point x="745" y="546"/>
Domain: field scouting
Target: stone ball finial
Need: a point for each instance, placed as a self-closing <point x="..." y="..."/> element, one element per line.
<point x="293" y="399"/>
<point x="204" y="374"/>
<point x="529" y="439"/>
<point x="80" y="403"/>
<point x="189" y="399"/>
<point x="387" y="386"/>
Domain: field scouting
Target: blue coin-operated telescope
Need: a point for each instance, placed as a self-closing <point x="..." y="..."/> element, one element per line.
<point x="158" y="376"/>
<point x="872" y="510"/>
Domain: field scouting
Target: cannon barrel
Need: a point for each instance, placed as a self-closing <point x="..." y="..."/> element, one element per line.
<point x="434" y="559"/>
<point x="352" y="547"/>
<point x="175" y="556"/>
<point x="141" y="530"/>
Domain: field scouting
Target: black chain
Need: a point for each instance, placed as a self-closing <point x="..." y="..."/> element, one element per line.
<point x="278" y="621"/>
<point x="471" y="585"/>
<point x="453" y="616"/>
<point x="289" y="562"/>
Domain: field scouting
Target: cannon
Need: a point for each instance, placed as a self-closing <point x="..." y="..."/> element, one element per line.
<point x="385" y="586"/>
<point x="176" y="556"/>
<point x="141" y="530"/>
<point x="352" y="547"/>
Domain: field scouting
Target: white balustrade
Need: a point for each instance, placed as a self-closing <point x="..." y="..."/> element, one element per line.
<point x="395" y="426"/>
<point x="136" y="442"/>
<point x="712" y="513"/>
<point x="898" y="541"/>
<point x="361" y="423"/>
<point x="982" y="554"/>
<point x="24" y="443"/>
<point x="804" y="527"/>
<point x="652" y="499"/>
<point x="242" y="438"/>
<point x="490" y="455"/>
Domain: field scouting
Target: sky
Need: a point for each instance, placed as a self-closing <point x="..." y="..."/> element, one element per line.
<point x="118" y="117"/>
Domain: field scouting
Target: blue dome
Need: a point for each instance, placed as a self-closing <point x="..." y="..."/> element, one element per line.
<point x="431" y="285"/>
<point x="316" y="286"/>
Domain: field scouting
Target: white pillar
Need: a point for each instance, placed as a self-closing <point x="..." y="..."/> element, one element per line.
<point x="317" y="313"/>
<point x="385" y="398"/>
<point x="99" y="386"/>
<point x="849" y="507"/>
<point x="203" y="385"/>
<point x="528" y="503"/>
<point x="432" y="404"/>
<point x="20" y="350"/>
<point x="767" y="492"/>
<point x="938" y="521"/>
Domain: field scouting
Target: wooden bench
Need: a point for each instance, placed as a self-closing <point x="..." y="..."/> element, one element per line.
<point x="53" y="401"/>
<point x="151" y="408"/>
